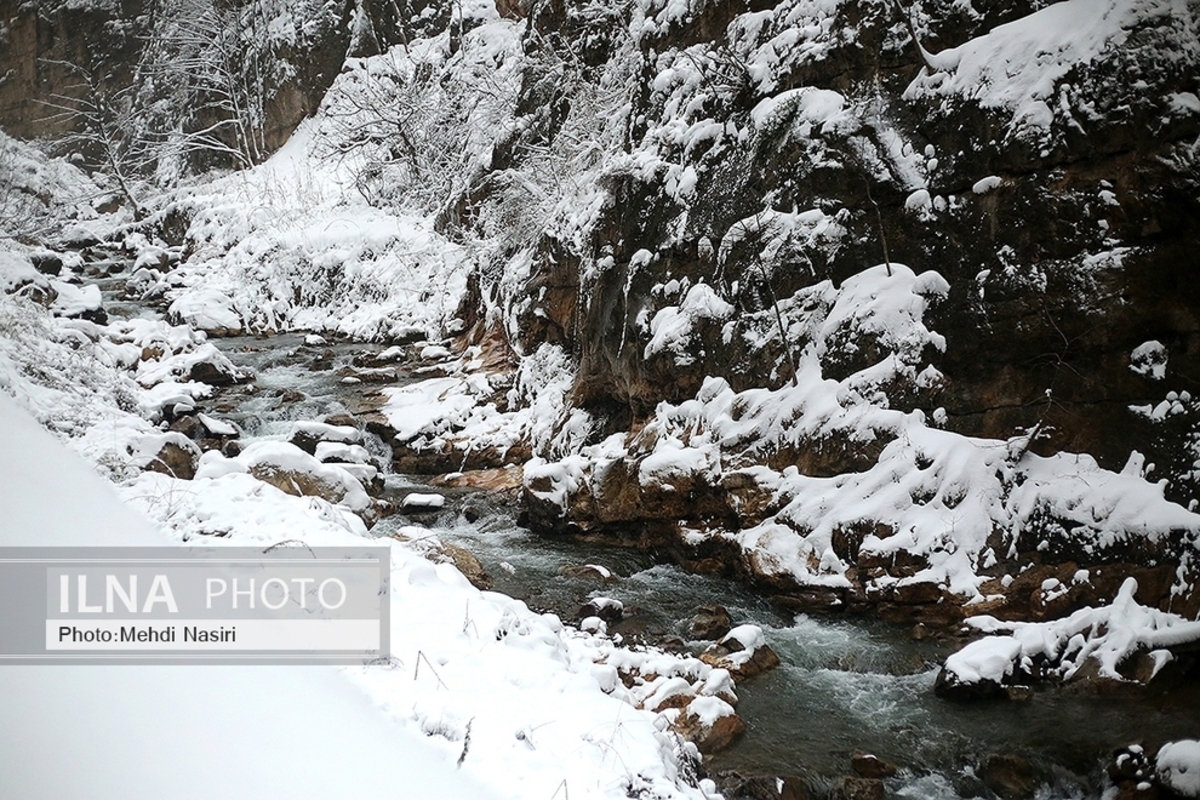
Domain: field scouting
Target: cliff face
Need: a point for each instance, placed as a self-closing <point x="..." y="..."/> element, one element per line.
<point x="40" y="39"/>
<point x="188" y="64"/>
<point x="1042" y="161"/>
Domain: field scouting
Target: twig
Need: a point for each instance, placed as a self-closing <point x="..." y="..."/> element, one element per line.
<point x="417" y="669"/>
<point x="466" y="743"/>
<point x="290" y="543"/>
<point x="879" y="219"/>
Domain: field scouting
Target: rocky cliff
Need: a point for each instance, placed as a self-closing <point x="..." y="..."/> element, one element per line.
<point x="1043" y="162"/>
<point x="148" y="70"/>
<point x="1040" y="158"/>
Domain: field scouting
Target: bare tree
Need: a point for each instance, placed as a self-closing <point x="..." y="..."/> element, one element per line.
<point x="197" y="96"/>
<point x="104" y="117"/>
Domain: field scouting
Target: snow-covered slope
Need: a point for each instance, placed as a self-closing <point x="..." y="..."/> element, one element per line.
<point x="177" y="731"/>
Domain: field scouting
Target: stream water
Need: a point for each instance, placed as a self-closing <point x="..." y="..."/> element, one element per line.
<point x="844" y="684"/>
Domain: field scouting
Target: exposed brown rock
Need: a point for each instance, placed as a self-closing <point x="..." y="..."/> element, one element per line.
<point x="711" y="739"/>
<point x="1009" y="776"/>
<point x="762" y="659"/>
<point x="504" y="480"/>
<point x="859" y="789"/>
<point x="175" y="460"/>
<point x="871" y="766"/>
<point x="299" y="482"/>
<point x="711" y="622"/>
<point x="588" y="572"/>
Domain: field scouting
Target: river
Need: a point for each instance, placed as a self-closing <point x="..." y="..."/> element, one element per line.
<point x="845" y="683"/>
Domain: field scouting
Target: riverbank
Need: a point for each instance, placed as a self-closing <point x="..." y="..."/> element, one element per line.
<point x="523" y="704"/>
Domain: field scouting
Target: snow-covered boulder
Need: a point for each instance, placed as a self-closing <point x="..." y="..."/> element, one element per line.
<point x="169" y="453"/>
<point x="1178" y="767"/>
<point x="308" y="434"/>
<point x="711" y="723"/>
<point x="293" y="471"/>
<point x="1124" y="643"/>
<point x="200" y="362"/>
<point x="422" y="502"/>
<point x="606" y="608"/>
<point x="743" y="651"/>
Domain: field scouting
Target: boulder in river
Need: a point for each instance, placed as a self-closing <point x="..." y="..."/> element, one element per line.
<point x="710" y="723"/>
<point x="605" y="608"/>
<point x="711" y="622"/>
<point x="869" y="765"/>
<point x="859" y="788"/>
<point x="590" y="572"/>
<point x="1117" y="647"/>
<point x="743" y="651"/>
<point x="1010" y="776"/>
<point x="422" y="502"/>
<point x="307" y="434"/>
<point x="213" y="373"/>
<point x="1177" y="766"/>
<point x="1129" y="768"/>
<point x="504" y="480"/>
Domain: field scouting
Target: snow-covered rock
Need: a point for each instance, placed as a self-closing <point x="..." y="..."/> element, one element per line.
<point x="1124" y="642"/>
<point x="1178" y="767"/>
<point x="291" y="470"/>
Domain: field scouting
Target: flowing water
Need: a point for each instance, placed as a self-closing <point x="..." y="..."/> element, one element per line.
<point x="844" y="684"/>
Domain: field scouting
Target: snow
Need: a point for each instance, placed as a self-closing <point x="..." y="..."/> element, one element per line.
<point x="672" y="327"/>
<point x="989" y="659"/>
<point x="217" y="427"/>
<point x="423" y="500"/>
<point x="937" y="494"/>
<point x="604" y="572"/>
<point x="207" y="309"/>
<point x="750" y="637"/>
<point x="1149" y="359"/>
<point x="709" y="709"/>
<point x="918" y="201"/>
<point x="1178" y="766"/>
<point x="432" y="406"/>
<point x="343" y="452"/>
<point x="267" y="239"/>
<point x="1106" y="635"/>
<point x="1017" y="67"/>
<point x="175" y="366"/>
<point x="74" y="300"/>
<point x="985" y="185"/>
<point x="539" y="699"/>
<point x="269" y="459"/>
<point x="178" y="731"/>
<point x="811" y="109"/>
<point x="324" y="432"/>
<point x="459" y="411"/>
<point x="47" y="198"/>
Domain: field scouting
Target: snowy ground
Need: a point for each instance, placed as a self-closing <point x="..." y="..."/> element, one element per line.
<point x="178" y="731"/>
